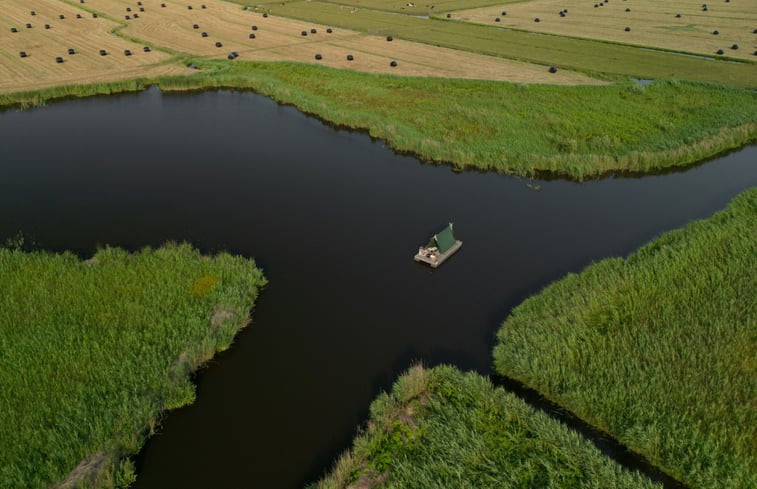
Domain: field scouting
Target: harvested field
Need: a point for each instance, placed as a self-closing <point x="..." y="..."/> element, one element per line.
<point x="87" y="36"/>
<point x="652" y="23"/>
<point x="280" y="39"/>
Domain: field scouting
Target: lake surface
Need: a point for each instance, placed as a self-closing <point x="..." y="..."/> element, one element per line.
<point x="334" y="219"/>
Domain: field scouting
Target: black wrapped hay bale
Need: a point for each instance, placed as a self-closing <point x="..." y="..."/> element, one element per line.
<point x="128" y="9"/>
<point x="141" y="9"/>
<point x="103" y="52"/>
<point x="678" y="16"/>
<point x="162" y="5"/>
<point x="78" y="16"/>
<point x="449" y="16"/>
<point x="189" y="7"/>
<point x="127" y="17"/>
<point x="47" y="26"/>
<point x="33" y="14"/>
<point x="497" y="19"/>
<point x="204" y="34"/>
<point x="127" y="52"/>
<point x="252" y="36"/>
<point x="58" y="59"/>
<point x="318" y="56"/>
<point x="313" y="31"/>
<point x="23" y="54"/>
<point x="393" y="64"/>
<point x="628" y="9"/>
<point x="720" y="51"/>
<point x="350" y="57"/>
<point x="13" y="29"/>
<point x="71" y="51"/>
<point x="195" y="26"/>
<point x="219" y="44"/>
<point x="562" y="14"/>
<point x="265" y="16"/>
<point x="146" y="49"/>
<point x="389" y="38"/>
<point x="537" y="19"/>
<point x="627" y="29"/>
<point x="329" y="30"/>
<point x="203" y="6"/>
<point x="254" y="27"/>
<point x="94" y="15"/>
<point x="136" y="16"/>
<point x="735" y="46"/>
<point x="28" y="26"/>
<point x="61" y="17"/>
<point x="715" y="33"/>
<point x="552" y="69"/>
<point x="304" y="33"/>
<point x="503" y="13"/>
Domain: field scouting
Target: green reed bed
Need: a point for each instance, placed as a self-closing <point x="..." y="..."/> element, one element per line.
<point x="92" y="351"/>
<point x="657" y="349"/>
<point x="440" y="428"/>
<point x="575" y="131"/>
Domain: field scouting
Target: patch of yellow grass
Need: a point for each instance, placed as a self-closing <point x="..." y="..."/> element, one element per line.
<point x="86" y="35"/>
<point x="653" y="22"/>
<point x="280" y="39"/>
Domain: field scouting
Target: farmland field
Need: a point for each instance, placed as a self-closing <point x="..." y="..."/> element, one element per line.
<point x="652" y="23"/>
<point x="87" y="36"/>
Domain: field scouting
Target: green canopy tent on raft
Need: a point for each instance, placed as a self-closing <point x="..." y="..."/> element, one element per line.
<point x="440" y="247"/>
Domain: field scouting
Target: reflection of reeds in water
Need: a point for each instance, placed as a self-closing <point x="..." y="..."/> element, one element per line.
<point x="656" y="349"/>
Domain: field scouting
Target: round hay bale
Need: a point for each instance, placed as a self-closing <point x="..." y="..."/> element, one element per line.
<point x="71" y="51"/>
<point x="139" y="3"/>
<point x="715" y="33"/>
<point x="265" y="16"/>
<point x="678" y="16"/>
<point x="252" y="36"/>
<point x="128" y="9"/>
<point x="195" y="26"/>
<point x="61" y="17"/>
<point x="537" y="19"/>
<point x="735" y="46"/>
<point x="627" y="29"/>
<point x="28" y="26"/>
<point x="504" y="13"/>
<point x="318" y="56"/>
<point x="204" y="34"/>
<point x="189" y="7"/>
<point x="58" y="59"/>
<point x="596" y="5"/>
<point x="23" y="54"/>
<point x="754" y="31"/>
<point x="136" y="16"/>
<point x="704" y="9"/>
<point x="329" y="30"/>
<point x="33" y="14"/>
<point x="78" y="16"/>
<point x="127" y="17"/>
<point x="230" y="56"/>
<point x="304" y="33"/>
<point x="94" y="15"/>
<point x="350" y="57"/>
<point x="562" y="14"/>
<point x="254" y="28"/>
<point x="141" y="9"/>
<point x="146" y="49"/>
<point x="754" y="53"/>
<point x="628" y="9"/>
<point x="393" y="64"/>
<point x="389" y="38"/>
<point x="203" y="6"/>
<point x="162" y="5"/>
<point x="497" y="19"/>
<point x="719" y="51"/>
<point x="552" y="69"/>
<point x="127" y="52"/>
<point x="47" y="26"/>
<point x="313" y="31"/>
<point x="219" y="44"/>
<point x="449" y="16"/>
<point x="13" y="29"/>
<point x="103" y="52"/>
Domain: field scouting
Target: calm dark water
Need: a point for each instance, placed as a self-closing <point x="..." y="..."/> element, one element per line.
<point x="334" y="219"/>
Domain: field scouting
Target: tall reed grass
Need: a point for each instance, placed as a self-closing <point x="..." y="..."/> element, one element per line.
<point x="657" y="349"/>
<point x="440" y="428"/>
<point x="91" y="352"/>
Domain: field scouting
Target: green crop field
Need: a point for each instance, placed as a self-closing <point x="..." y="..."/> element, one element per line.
<point x="586" y="55"/>
<point x="440" y="428"/>
<point x="657" y="349"/>
<point x="92" y="351"/>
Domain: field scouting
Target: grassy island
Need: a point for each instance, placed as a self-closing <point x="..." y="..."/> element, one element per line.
<point x="441" y="428"/>
<point x="656" y="349"/>
<point x="91" y="352"/>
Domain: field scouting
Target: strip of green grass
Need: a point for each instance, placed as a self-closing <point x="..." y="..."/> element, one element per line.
<point x="420" y="8"/>
<point x="440" y="428"/>
<point x="657" y="349"/>
<point x="578" y="131"/>
<point x="91" y="353"/>
<point x="594" y="57"/>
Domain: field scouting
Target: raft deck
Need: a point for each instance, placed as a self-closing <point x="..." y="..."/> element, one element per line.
<point x="439" y="258"/>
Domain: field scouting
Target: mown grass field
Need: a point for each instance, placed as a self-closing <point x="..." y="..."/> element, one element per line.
<point x="579" y="132"/>
<point x="440" y="428"/>
<point x="584" y="55"/>
<point x="92" y="351"/>
<point x="656" y="349"/>
<point x="418" y="8"/>
<point x="652" y="23"/>
<point x="86" y="36"/>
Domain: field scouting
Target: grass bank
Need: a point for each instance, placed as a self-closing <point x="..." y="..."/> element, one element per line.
<point x="583" y="55"/>
<point x="656" y="349"/>
<point x="91" y="352"/>
<point x="440" y="428"/>
<point x="578" y="131"/>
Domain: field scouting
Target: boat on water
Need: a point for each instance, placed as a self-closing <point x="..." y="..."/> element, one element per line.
<point x="439" y="248"/>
